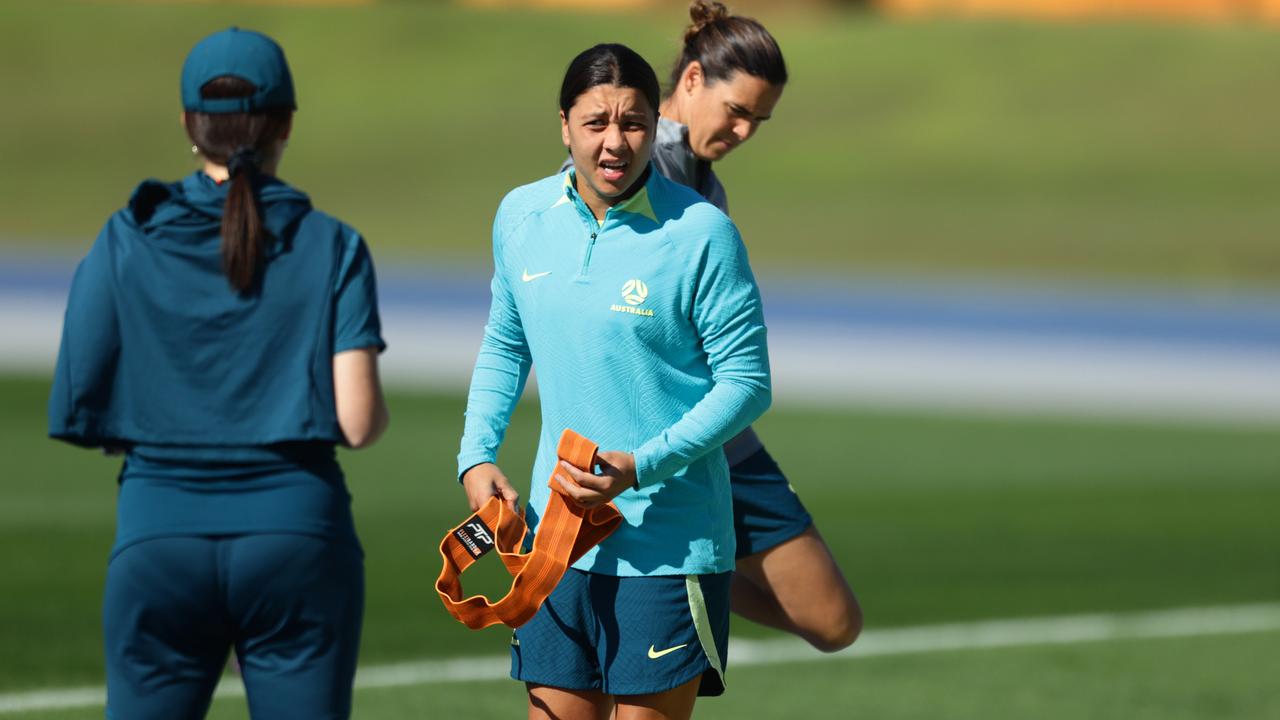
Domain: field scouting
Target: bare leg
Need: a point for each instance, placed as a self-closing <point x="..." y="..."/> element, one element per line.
<point x="674" y="704"/>
<point x="797" y="587"/>
<point x="550" y="703"/>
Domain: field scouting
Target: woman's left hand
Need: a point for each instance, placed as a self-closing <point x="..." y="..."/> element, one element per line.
<point x="617" y="473"/>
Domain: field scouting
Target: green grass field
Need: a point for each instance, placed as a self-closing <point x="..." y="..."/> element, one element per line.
<point x="1075" y="150"/>
<point x="1196" y="679"/>
<point x="1080" y="151"/>
<point x="935" y="519"/>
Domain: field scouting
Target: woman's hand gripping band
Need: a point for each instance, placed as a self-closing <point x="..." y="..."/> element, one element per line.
<point x="486" y="480"/>
<point x="617" y="473"/>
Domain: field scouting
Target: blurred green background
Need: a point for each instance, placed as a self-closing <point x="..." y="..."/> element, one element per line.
<point x="1113" y="151"/>
<point x="1118" y="154"/>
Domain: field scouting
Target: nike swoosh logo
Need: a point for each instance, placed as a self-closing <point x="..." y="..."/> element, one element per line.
<point x="527" y="277"/>
<point x="655" y="654"/>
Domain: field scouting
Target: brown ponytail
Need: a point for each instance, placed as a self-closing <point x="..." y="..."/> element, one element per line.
<point x="723" y="44"/>
<point x="239" y="141"/>
<point x="242" y="240"/>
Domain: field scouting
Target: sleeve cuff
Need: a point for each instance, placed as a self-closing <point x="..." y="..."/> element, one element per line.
<point x="469" y="460"/>
<point x="359" y="341"/>
<point x="647" y="471"/>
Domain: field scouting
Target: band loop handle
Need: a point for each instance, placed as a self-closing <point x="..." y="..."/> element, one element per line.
<point x="565" y="533"/>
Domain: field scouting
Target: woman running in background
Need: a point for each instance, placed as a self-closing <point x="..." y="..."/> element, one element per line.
<point x="224" y="336"/>
<point x="632" y="296"/>
<point x="726" y="82"/>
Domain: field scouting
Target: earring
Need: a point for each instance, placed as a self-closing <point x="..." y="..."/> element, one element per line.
<point x="195" y="150"/>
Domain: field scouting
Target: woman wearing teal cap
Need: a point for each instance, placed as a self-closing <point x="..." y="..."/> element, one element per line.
<point x="223" y="334"/>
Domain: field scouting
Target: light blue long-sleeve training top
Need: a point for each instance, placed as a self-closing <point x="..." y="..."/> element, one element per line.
<point x="673" y="157"/>
<point x="648" y="336"/>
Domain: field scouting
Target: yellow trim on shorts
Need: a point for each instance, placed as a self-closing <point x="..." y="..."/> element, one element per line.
<point x="702" y="623"/>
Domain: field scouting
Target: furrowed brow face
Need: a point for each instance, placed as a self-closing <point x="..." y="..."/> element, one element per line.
<point x="593" y="116"/>
<point x="742" y="111"/>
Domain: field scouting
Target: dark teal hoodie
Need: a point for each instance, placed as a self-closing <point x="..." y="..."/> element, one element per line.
<point x="222" y="400"/>
<point x="158" y="349"/>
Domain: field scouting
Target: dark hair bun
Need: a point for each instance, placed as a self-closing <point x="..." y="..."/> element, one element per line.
<point x="703" y="14"/>
<point x="724" y="44"/>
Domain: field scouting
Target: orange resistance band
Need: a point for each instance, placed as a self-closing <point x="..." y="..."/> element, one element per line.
<point x="565" y="533"/>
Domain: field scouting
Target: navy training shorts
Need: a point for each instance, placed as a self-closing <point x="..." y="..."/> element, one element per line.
<point x="766" y="510"/>
<point x="627" y="635"/>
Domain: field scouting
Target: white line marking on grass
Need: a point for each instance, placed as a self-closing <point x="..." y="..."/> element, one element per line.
<point x="1060" y="630"/>
<point x="1068" y="629"/>
<point x="52" y="699"/>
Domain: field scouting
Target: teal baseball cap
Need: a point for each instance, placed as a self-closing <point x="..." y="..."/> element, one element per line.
<point x="246" y="54"/>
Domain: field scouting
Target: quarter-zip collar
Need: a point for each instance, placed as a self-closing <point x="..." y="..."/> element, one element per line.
<point x="637" y="204"/>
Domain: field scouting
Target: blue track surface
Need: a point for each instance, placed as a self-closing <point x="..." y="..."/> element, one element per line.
<point x="1244" y="321"/>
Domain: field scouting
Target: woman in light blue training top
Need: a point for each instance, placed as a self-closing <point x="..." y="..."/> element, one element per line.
<point x="729" y="77"/>
<point x="223" y="334"/>
<point x="633" y="298"/>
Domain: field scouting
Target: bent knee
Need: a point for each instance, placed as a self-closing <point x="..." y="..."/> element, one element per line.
<point x="839" y="634"/>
